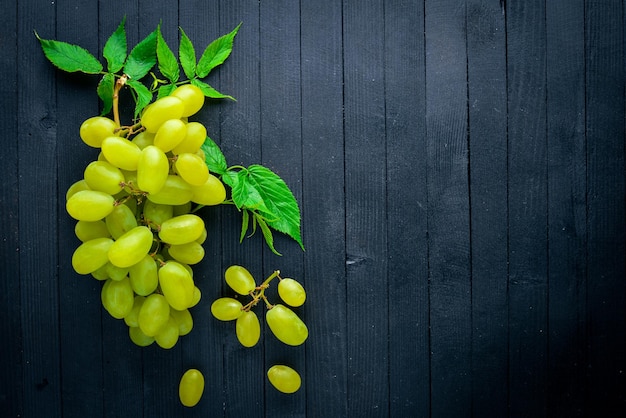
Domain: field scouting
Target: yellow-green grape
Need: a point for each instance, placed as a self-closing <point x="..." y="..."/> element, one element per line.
<point x="76" y="187"/>
<point x="154" y="314"/>
<point x="284" y="378"/>
<point x="132" y="319"/>
<point x="286" y="325"/>
<point x="192" y="169"/>
<point x="121" y="152"/>
<point x="130" y="185"/>
<point x="176" y="284"/>
<point x="170" y="133"/>
<point x="239" y="279"/>
<point x="202" y="237"/>
<point x="248" y="329"/>
<point x="138" y="337"/>
<point x="143" y="139"/>
<point x="211" y="193"/>
<point x="184" y="320"/>
<point x="101" y="273"/>
<point x="120" y="221"/>
<point x="197" y="295"/>
<point x="104" y="176"/>
<point x="152" y="169"/>
<point x="175" y="191"/>
<point x="291" y="292"/>
<point x="162" y="109"/>
<point x="189" y="253"/>
<point x="95" y="129"/>
<point x="226" y="309"/>
<point x="131" y="247"/>
<point x="191" y="387"/>
<point x="181" y="229"/>
<point x="114" y="272"/>
<point x="86" y="230"/>
<point x="195" y="137"/>
<point x="156" y="213"/>
<point x="192" y="98"/>
<point x="89" y="205"/>
<point x="117" y="297"/>
<point x="91" y="255"/>
<point x="143" y="276"/>
<point x="167" y="337"/>
<point x="182" y="209"/>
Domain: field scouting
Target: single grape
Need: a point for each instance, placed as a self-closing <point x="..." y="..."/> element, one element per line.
<point x="192" y="169"/>
<point x="175" y="191"/>
<point x="189" y="253"/>
<point x="117" y="298"/>
<point x="143" y="139"/>
<point x="143" y="276"/>
<point x="105" y="177"/>
<point x="120" y="221"/>
<point x="291" y="292"/>
<point x="192" y="98"/>
<point x="121" y="152"/>
<point x="154" y="314"/>
<point x="156" y="213"/>
<point x="284" y="378"/>
<point x="286" y="325"/>
<point x="182" y="209"/>
<point x="197" y="295"/>
<point x="131" y="247"/>
<point x="211" y="193"/>
<point x="76" y="187"/>
<point x="248" y="329"/>
<point x="167" y="337"/>
<point x="89" y="205"/>
<point x="191" y="387"/>
<point x="95" y="129"/>
<point x="139" y="338"/>
<point x="101" y="273"/>
<point x="114" y="272"/>
<point x="170" y="134"/>
<point x="132" y="319"/>
<point x="239" y="279"/>
<point x="184" y="320"/>
<point x="86" y="230"/>
<point x="152" y="169"/>
<point x="162" y="109"/>
<point x="91" y="255"/>
<point x="195" y="137"/>
<point x="176" y="284"/>
<point x="181" y="229"/>
<point x="226" y="309"/>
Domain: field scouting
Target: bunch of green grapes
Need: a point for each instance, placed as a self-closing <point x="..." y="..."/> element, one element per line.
<point x="133" y="208"/>
<point x="283" y="322"/>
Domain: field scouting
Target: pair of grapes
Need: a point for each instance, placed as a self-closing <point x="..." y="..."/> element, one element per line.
<point x="133" y="210"/>
<point x="283" y="322"/>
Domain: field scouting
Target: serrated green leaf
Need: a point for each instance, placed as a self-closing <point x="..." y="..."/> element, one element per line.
<point x="168" y="65"/>
<point x="209" y="91"/>
<point x="115" y="49"/>
<point x="267" y="233"/>
<point x="165" y="90"/>
<point x="143" y="95"/>
<point x="246" y="195"/>
<point x="214" y="157"/>
<point x="69" y="57"/>
<point x="230" y="178"/>
<point x="187" y="55"/>
<point x="244" y="224"/>
<point x="216" y="53"/>
<point x="142" y="57"/>
<point x="105" y="92"/>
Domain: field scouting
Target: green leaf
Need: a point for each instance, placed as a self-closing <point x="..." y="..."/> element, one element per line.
<point x="209" y="91"/>
<point x="115" y="48"/>
<point x="143" y="95"/>
<point x="142" y="58"/>
<point x="69" y="57"/>
<point x="168" y="65"/>
<point x="246" y="195"/>
<point x="187" y="55"/>
<point x="244" y="224"/>
<point x="230" y="178"/>
<point x="267" y="233"/>
<point x="165" y="90"/>
<point x="105" y="92"/>
<point x="216" y="53"/>
<point x="214" y="157"/>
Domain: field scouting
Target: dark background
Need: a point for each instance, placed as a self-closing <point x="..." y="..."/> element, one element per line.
<point x="460" y="170"/>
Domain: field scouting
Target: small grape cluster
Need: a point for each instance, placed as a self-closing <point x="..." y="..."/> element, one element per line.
<point x="283" y="322"/>
<point x="134" y="215"/>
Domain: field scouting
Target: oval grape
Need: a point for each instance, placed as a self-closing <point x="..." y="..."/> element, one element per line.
<point x="89" y="205"/>
<point x="248" y="329"/>
<point x="286" y="325"/>
<point x="239" y="279"/>
<point x="291" y="292"/>
<point x="162" y="109"/>
<point x="226" y="309"/>
<point x="284" y="378"/>
<point x="131" y="247"/>
<point x="191" y="387"/>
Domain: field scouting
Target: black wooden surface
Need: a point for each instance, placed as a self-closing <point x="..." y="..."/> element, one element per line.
<point x="460" y="170"/>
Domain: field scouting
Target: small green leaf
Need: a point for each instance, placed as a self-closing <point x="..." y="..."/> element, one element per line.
<point x="115" y="48"/>
<point x="214" y="157"/>
<point x="267" y="233"/>
<point x="230" y="178"/>
<point x="187" y="55"/>
<point x="69" y="57"/>
<point x="216" y="53"/>
<point x="105" y="92"/>
<point x="143" y="95"/>
<point x="244" y="224"/>
<point x="142" y="57"/>
<point x="246" y="195"/>
<point x="209" y="91"/>
<point x="168" y="65"/>
<point x="165" y="90"/>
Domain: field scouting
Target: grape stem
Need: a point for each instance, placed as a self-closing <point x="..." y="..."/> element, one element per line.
<point x="116" y="97"/>
<point x="259" y="293"/>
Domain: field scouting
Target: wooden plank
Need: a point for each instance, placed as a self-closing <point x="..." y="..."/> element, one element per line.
<point x="566" y="207"/>
<point x="407" y="269"/>
<point x="486" y="50"/>
<point x="526" y="37"/>
<point x="448" y="207"/>
<point x="606" y="245"/>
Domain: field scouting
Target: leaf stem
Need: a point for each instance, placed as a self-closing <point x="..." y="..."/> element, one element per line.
<point x="116" y="97"/>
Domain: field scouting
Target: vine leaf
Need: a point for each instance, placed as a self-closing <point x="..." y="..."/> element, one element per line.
<point x="214" y="157"/>
<point x="168" y="65"/>
<point x="143" y="95"/>
<point x="216" y="53"/>
<point x="187" y="55"/>
<point x="69" y="57"/>
<point x="115" y="49"/>
<point x="105" y="92"/>
<point x="209" y="91"/>
<point x="142" y="57"/>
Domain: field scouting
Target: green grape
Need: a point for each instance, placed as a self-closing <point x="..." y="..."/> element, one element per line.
<point x="95" y="129"/>
<point x="114" y="272"/>
<point x="101" y="273"/>
<point x="121" y="152"/>
<point x="117" y="297"/>
<point x="76" y="187"/>
<point x="86" y="230"/>
<point x="184" y="320"/>
<point x="284" y="378"/>
<point x="175" y="191"/>
<point x="154" y="314"/>
<point x="156" y="213"/>
<point x="120" y="221"/>
<point x="195" y="137"/>
<point x="139" y="338"/>
<point x="162" y="109"/>
<point x="176" y="284"/>
<point x="143" y="139"/>
<point x="248" y="329"/>
<point x="152" y="169"/>
<point x="191" y="387"/>
<point x="105" y="177"/>
<point x="143" y="276"/>
<point x="202" y="237"/>
<point x="189" y="253"/>
<point x="131" y="247"/>
<point x="192" y="169"/>
<point x="170" y="133"/>
<point x="182" y="209"/>
<point x="239" y="279"/>
<point x="181" y="229"/>
<point x="91" y="255"/>
<point x="197" y="295"/>
<point x="211" y="193"/>
<point x="167" y="337"/>
<point x="286" y="325"/>
<point x="226" y="309"/>
<point x="130" y="186"/>
<point x="291" y="292"/>
<point x="89" y="205"/>
<point x="192" y="98"/>
<point x="132" y="319"/>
